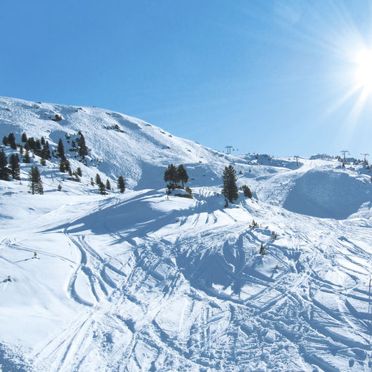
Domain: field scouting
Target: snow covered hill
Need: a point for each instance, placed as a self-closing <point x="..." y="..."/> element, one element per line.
<point x="142" y="281"/>
<point x="119" y="144"/>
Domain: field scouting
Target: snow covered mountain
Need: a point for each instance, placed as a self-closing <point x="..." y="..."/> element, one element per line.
<point x="119" y="144"/>
<point x="142" y="281"/>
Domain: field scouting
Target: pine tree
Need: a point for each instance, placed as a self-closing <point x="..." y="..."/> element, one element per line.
<point x="121" y="184"/>
<point x="26" y="158"/>
<point x="247" y="191"/>
<point x="12" y="141"/>
<point x="102" y="188"/>
<point x="171" y="176"/>
<point x="31" y="143"/>
<point x="108" y="185"/>
<point x="64" y="166"/>
<point x="262" y="250"/>
<point x="79" y="172"/>
<point x="98" y="179"/>
<point x="59" y="188"/>
<point x="42" y="141"/>
<point x="21" y="150"/>
<point x="5" y="140"/>
<point x="45" y="152"/>
<point x="37" y="145"/>
<point x="61" y="149"/>
<point x="91" y="181"/>
<point x="4" y="170"/>
<point x="83" y="150"/>
<point x="24" y="137"/>
<point x="230" y="190"/>
<point x="36" y="185"/>
<point x="182" y="175"/>
<point x="14" y="166"/>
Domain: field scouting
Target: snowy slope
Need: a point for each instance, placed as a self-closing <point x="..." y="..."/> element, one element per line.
<point x="145" y="282"/>
<point x="120" y="144"/>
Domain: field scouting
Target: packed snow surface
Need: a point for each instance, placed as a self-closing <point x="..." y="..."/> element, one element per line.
<point x="142" y="281"/>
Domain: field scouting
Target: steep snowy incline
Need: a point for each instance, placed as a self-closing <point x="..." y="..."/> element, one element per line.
<point x="119" y="144"/>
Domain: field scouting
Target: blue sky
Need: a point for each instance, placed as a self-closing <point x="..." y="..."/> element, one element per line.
<point x="263" y="76"/>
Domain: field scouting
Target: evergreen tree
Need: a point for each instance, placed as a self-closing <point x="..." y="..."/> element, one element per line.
<point x="45" y="152"/>
<point x="4" y="170"/>
<point x="262" y="250"/>
<point x="36" y="185"/>
<point x="108" y="185"/>
<point x="31" y="143"/>
<point x="26" y="158"/>
<point x="83" y="149"/>
<point x="230" y="190"/>
<point x="64" y="166"/>
<point x="43" y="162"/>
<point x="12" y="141"/>
<point x="42" y="141"/>
<point x="171" y="176"/>
<point x="14" y="166"/>
<point x="37" y="145"/>
<point x="61" y="149"/>
<point x="21" y="150"/>
<point x="102" y="188"/>
<point x="247" y="191"/>
<point x="91" y="181"/>
<point x="79" y="172"/>
<point x="59" y="187"/>
<point x="98" y="179"/>
<point x="5" y="140"/>
<point x="182" y="175"/>
<point x="121" y="184"/>
<point x="24" y="137"/>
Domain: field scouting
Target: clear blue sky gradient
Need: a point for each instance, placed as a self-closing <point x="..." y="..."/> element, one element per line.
<point x="263" y="76"/>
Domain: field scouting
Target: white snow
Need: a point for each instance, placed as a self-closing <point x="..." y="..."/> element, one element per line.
<point x="143" y="281"/>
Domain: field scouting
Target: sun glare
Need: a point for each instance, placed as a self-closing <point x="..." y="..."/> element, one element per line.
<point x="363" y="70"/>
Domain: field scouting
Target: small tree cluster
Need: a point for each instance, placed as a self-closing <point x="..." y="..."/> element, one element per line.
<point x="10" y="140"/>
<point x="247" y="192"/>
<point x="173" y="176"/>
<point x="101" y="185"/>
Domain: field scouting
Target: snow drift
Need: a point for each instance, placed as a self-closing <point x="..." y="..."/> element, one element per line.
<point x="328" y="194"/>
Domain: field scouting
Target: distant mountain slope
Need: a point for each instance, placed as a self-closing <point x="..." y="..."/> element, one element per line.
<point x="119" y="144"/>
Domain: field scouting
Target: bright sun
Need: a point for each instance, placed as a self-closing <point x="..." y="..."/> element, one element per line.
<point x="363" y="71"/>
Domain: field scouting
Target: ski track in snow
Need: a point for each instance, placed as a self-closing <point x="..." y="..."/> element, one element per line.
<point x="146" y="282"/>
<point x="215" y="329"/>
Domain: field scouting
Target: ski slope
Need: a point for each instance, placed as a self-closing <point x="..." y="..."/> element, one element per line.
<point x="142" y="281"/>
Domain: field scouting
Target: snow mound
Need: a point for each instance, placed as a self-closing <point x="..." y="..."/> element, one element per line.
<point x="328" y="194"/>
